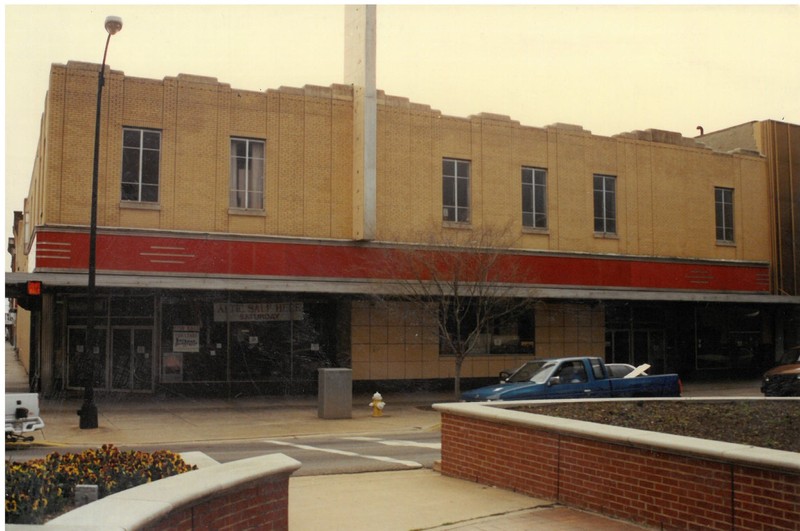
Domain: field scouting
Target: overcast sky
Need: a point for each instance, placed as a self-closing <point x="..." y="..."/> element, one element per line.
<point x="609" y="69"/>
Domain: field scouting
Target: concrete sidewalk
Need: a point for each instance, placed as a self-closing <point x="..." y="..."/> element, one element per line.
<point x="414" y="499"/>
<point x="157" y="420"/>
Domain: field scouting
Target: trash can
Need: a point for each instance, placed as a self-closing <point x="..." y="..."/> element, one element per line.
<point x="335" y="394"/>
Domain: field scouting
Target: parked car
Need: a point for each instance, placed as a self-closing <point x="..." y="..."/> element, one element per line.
<point x="622" y="370"/>
<point x="784" y="380"/>
<point x="578" y="377"/>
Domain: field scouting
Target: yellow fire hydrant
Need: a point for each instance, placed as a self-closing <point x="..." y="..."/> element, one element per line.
<point x="377" y="405"/>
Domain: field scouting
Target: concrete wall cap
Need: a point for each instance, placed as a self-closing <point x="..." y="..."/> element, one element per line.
<point x="192" y="78"/>
<point x="142" y="505"/>
<point x="80" y="527"/>
<point x="567" y="127"/>
<point x="505" y="413"/>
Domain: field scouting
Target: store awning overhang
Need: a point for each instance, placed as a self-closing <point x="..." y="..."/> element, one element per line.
<point x="16" y="282"/>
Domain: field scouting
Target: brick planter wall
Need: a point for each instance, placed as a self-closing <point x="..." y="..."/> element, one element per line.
<point x="246" y="494"/>
<point x="263" y="505"/>
<point x="654" y="479"/>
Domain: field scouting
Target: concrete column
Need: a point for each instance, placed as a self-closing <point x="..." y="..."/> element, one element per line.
<point x="46" y="364"/>
<point x="359" y="71"/>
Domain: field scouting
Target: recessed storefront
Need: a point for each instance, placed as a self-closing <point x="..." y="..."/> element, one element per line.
<point x="182" y="342"/>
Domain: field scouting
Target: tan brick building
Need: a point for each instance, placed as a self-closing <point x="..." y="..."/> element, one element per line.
<point x="236" y="250"/>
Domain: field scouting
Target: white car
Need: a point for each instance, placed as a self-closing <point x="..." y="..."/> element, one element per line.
<point x="621" y="370"/>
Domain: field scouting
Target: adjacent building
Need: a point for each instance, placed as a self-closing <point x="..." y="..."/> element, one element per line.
<point x="241" y="238"/>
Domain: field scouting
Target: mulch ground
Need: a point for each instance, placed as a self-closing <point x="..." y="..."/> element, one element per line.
<point x="765" y="423"/>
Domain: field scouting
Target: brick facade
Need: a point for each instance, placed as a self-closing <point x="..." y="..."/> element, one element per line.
<point x="309" y="186"/>
<point x="305" y="239"/>
<point x="398" y="341"/>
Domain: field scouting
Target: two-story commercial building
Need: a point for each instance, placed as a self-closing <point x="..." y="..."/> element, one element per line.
<point x="243" y="237"/>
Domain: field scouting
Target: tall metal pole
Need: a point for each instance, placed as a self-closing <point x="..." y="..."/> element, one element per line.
<point x="88" y="411"/>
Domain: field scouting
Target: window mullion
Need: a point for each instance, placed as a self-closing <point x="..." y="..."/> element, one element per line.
<point x="247" y="174"/>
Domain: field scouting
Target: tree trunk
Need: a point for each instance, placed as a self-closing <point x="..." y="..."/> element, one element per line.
<point x="457" y="377"/>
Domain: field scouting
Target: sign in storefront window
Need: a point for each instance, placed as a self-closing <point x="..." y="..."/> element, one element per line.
<point x="186" y="338"/>
<point x="172" y="367"/>
<point x="258" y="312"/>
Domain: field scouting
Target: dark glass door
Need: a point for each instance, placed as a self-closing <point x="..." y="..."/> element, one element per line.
<point x="131" y="358"/>
<point x="77" y="362"/>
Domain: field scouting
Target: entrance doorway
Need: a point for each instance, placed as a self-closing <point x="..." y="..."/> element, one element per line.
<point x="131" y="359"/>
<point x="127" y="367"/>
<point x="77" y="364"/>
<point x="636" y="347"/>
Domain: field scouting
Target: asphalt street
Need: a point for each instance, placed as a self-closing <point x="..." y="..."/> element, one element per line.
<point x="320" y="455"/>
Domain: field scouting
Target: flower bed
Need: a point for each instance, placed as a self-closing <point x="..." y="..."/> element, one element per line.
<point x="43" y="488"/>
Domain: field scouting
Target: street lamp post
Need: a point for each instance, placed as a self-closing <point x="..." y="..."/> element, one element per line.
<point x="88" y="410"/>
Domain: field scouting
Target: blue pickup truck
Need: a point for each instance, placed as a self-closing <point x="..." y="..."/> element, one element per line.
<point x="579" y="377"/>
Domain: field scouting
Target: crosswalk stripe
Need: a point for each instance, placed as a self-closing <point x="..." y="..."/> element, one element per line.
<point x="410" y="464"/>
<point x="432" y="446"/>
<point x="389" y="442"/>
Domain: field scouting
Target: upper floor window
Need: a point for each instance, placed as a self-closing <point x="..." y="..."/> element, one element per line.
<point x="141" y="154"/>
<point x="534" y="198"/>
<point x="455" y="190"/>
<point x="723" y="199"/>
<point x="605" y="204"/>
<point x="247" y="174"/>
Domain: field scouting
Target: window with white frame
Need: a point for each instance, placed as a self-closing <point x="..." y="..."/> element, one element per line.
<point x="247" y="174"/>
<point x="534" y="198"/>
<point x="605" y="204"/>
<point x="141" y="155"/>
<point x="455" y="190"/>
<point x="723" y="203"/>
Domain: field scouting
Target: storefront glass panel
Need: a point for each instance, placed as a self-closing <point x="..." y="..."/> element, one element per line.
<point x="730" y="337"/>
<point x="131" y="358"/>
<point x="264" y="343"/>
<point x="77" y="361"/>
<point x="193" y="345"/>
<point x="123" y="360"/>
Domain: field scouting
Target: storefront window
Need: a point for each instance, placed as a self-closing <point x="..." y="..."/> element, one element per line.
<point x="77" y="310"/>
<point x="512" y="333"/>
<point x="279" y="343"/>
<point x="729" y="338"/>
<point x="193" y="344"/>
<point x="123" y="352"/>
<point x="273" y="341"/>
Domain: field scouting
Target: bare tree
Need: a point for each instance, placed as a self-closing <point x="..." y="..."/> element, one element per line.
<point x="463" y="282"/>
